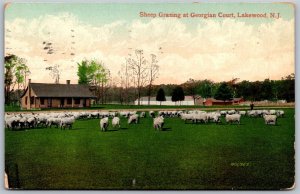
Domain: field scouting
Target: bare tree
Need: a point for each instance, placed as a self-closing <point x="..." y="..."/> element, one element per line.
<point x="139" y="71"/>
<point x="125" y="76"/>
<point x="153" y="74"/>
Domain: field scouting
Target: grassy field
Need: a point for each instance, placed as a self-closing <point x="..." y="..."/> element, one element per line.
<point x="183" y="156"/>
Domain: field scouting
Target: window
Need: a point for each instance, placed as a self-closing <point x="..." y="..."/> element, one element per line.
<point x="32" y="100"/>
<point x="77" y="101"/>
<point x="69" y="100"/>
<point x="26" y="100"/>
<point x="42" y="101"/>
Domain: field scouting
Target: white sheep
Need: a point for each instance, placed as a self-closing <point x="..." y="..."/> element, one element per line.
<point x="187" y="117"/>
<point x="67" y="121"/>
<point x="233" y="118"/>
<point x="142" y="114"/>
<point x="280" y="113"/>
<point x="158" y="123"/>
<point x="202" y="117"/>
<point x="116" y="122"/>
<point x="242" y="112"/>
<point x="104" y="124"/>
<point x="53" y="121"/>
<point x="231" y="112"/>
<point x="270" y="119"/>
<point x="133" y="118"/>
<point x="151" y="114"/>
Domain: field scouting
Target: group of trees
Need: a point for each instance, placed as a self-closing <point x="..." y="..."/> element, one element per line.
<point x="136" y="76"/>
<point x="272" y="90"/>
<point x="15" y="76"/>
<point x="94" y="73"/>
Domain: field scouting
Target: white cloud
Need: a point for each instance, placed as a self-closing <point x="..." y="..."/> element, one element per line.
<point x="216" y="50"/>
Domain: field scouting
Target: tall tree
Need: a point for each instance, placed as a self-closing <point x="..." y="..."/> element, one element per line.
<point x="224" y="92"/>
<point x="160" y="95"/>
<point x="139" y="71"/>
<point x="191" y="88"/>
<point x="153" y="74"/>
<point x="178" y="94"/>
<point x="82" y="72"/>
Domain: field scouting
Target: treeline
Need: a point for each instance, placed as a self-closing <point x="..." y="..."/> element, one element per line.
<point x="272" y="90"/>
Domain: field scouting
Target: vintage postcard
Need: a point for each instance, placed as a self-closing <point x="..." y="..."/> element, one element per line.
<point x="149" y="96"/>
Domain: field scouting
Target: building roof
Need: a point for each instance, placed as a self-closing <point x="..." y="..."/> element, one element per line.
<point x="61" y="90"/>
<point x="168" y="98"/>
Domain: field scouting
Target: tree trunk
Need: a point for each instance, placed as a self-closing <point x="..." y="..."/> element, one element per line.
<point x="102" y="93"/>
<point x="149" y="94"/>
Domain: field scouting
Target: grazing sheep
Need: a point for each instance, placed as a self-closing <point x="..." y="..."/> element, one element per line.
<point x="67" y="121"/>
<point x="116" y="122"/>
<point x="252" y="113"/>
<point x="158" y="123"/>
<point x="214" y="117"/>
<point x="231" y="112"/>
<point x="187" y="117"/>
<point x="53" y="121"/>
<point x="202" y="117"/>
<point x="133" y="118"/>
<point x="31" y="122"/>
<point x="124" y="114"/>
<point x="104" y="124"/>
<point x="242" y="112"/>
<point x="270" y="119"/>
<point x="280" y="113"/>
<point x="223" y="112"/>
<point x="233" y="118"/>
<point x="143" y="115"/>
<point x="152" y="114"/>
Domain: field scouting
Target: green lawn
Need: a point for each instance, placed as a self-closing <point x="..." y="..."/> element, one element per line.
<point x="183" y="156"/>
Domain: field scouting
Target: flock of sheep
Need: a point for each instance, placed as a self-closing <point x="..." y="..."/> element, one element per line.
<point x="66" y="119"/>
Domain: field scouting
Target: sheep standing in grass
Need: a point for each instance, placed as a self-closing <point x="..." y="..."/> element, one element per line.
<point x="202" y="117"/>
<point x="116" y="122"/>
<point x="233" y="118"/>
<point x="67" y="122"/>
<point x="152" y="114"/>
<point x="280" y="113"/>
<point x="242" y="112"/>
<point x="104" y="124"/>
<point x="158" y="123"/>
<point x="133" y="118"/>
<point x="187" y="117"/>
<point x="270" y="119"/>
<point x="53" y="121"/>
<point x="142" y="115"/>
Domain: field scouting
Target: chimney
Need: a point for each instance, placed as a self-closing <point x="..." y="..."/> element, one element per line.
<point x="29" y="81"/>
<point x="68" y="82"/>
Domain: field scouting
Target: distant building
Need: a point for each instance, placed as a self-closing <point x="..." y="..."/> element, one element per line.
<point x="188" y="101"/>
<point x="212" y="101"/>
<point x="44" y="95"/>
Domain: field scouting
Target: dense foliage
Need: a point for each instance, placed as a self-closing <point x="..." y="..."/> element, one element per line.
<point x="160" y="95"/>
<point x="224" y="92"/>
